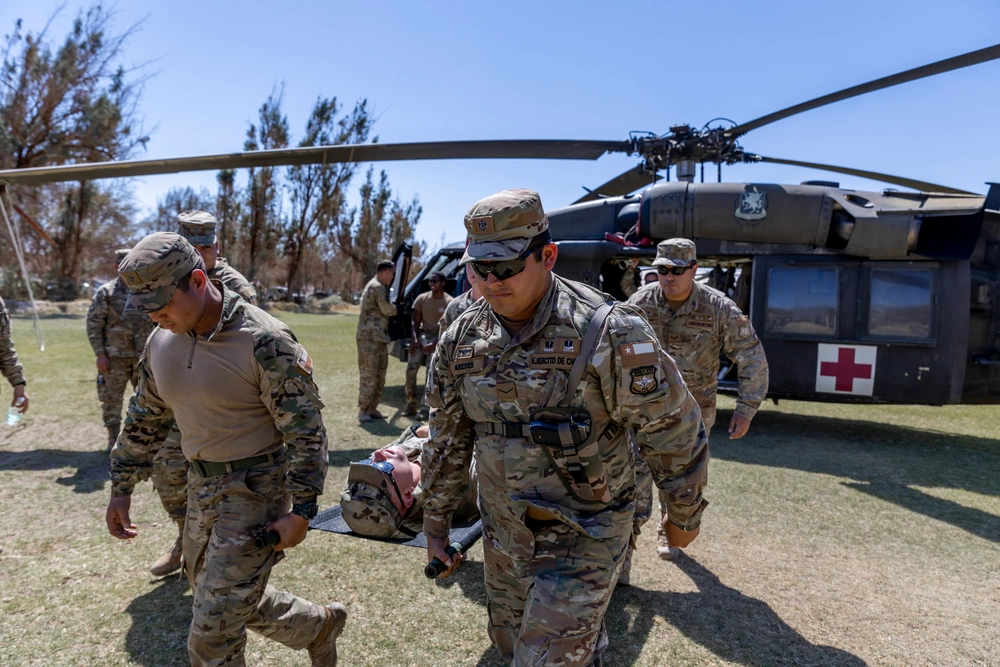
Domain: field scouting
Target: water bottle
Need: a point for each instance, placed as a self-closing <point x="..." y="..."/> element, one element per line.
<point x="14" y="413"/>
<point x="100" y="379"/>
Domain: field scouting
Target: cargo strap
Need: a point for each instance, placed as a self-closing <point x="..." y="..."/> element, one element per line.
<point x="506" y="429"/>
<point x="586" y="350"/>
<point x="211" y="468"/>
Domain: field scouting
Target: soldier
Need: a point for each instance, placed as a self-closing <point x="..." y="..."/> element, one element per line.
<point x="170" y="468"/>
<point x="198" y="227"/>
<point x="117" y="338"/>
<point x="557" y="488"/>
<point x="372" y="338"/>
<point x="693" y="322"/>
<point x="462" y="302"/>
<point x="378" y="499"/>
<point x="428" y="308"/>
<point x="9" y="365"/>
<point x="241" y="389"/>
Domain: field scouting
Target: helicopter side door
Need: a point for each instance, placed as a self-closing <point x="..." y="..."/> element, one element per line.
<point x="851" y="330"/>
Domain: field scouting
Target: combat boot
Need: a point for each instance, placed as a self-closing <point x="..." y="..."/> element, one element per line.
<point x="664" y="550"/>
<point x="112" y="436"/>
<point x="364" y="416"/>
<point x="411" y="410"/>
<point x="375" y="414"/>
<point x="169" y="562"/>
<point x="323" y="649"/>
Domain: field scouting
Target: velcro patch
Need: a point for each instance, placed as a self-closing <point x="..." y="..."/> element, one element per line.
<point x="638" y="354"/>
<point x="482" y="224"/>
<point x="563" y="361"/>
<point x="464" y="352"/>
<point x="644" y="380"/>
<point x="303" y="361"/>
<point x="701" y="322"/>
<point x="507" y="391"/>
<point x="467" y="365"/>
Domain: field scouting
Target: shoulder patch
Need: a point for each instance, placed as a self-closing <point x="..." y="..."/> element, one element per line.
<point x="303" y="361"/>
<point x="638" y="354"/>
<point x="644" y="380"/>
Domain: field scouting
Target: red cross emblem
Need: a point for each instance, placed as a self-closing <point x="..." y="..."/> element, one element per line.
<point x="846" y="369"/>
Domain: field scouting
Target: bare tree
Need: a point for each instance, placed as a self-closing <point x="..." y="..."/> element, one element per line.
<point x="170" y="205"/>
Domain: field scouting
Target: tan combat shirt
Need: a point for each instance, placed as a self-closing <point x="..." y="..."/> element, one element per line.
<point x="705" y="324"/>
<point x="241" y="390"/>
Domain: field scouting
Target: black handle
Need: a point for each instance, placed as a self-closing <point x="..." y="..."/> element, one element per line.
<point x="434" y="568"/>
<point x="268" y="539"/>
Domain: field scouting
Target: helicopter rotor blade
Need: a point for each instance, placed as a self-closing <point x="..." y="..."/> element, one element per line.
<point x="622" y="184"/>
<point x="947" y="65"/>
<point x="551" y="149"/>
<point x="922" y="186"/>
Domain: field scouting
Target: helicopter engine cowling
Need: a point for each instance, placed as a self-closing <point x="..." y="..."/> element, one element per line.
<point x="886" y="225"/>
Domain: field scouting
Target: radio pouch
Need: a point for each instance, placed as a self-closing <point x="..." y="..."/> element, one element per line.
<point x="563" y="432"/>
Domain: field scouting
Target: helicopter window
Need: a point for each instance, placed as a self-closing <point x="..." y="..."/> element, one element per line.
<point x="900" y="303"/>
<point x="802" y="300"/>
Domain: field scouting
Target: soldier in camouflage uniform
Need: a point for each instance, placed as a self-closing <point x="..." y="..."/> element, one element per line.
<point x="427" y="310"/>
<point x="9" y="365"/>
<point x="240" y="387"/>
<point x="170" y="468"/>
<point x="557" y="520"/>
<point x="373" y="338"/>
<point x="693" y="322"/>
<point x="198" y="227"/>
<point x="462" y="302"/>
<point x="378" y="500"/>
<point x="117" y="338"/>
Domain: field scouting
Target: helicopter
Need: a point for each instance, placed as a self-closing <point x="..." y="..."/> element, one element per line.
<point x="857" y="296"/>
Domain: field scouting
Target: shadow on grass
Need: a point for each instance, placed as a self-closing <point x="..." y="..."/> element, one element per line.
<point x="469" y="577"/>
<point x="883" y="460"/>
<point x="160" y="620"/>
<point x="91" y="467"/>
<point x="733" y="626"/>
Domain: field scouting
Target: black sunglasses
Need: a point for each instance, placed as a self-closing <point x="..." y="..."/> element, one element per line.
<point x="673" y="270"/>
<point x="507" y="268"/>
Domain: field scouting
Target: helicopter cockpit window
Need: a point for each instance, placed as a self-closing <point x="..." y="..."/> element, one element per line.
<point x="900" y="303"/>
<point x="802" y="300"/>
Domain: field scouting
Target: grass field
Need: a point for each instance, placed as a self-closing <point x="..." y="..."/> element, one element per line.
<point x="837" y="535"/>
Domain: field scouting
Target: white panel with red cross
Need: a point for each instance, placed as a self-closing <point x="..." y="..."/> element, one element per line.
<point x="846" y="369"/>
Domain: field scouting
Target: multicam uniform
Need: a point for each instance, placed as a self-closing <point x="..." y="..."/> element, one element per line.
<point x="455" y="307"/>
<point x="372" y="337"/>
<point x="233" y="280"/>
<point x="120" y="336"/>
<point x="548" y="582"/>
<point x="707" y="322"/>
<point x="9" y="365"/>
<point x="244" y="390"/>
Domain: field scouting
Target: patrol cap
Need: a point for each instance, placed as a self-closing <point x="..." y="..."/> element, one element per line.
<point x="501" y="226"/>
<point x="120" y="254"/>
<point x="675" y="252"/>
<point x="198" y="227"/>
<point x="366" y="503"/>
<point x="152" y="268"/>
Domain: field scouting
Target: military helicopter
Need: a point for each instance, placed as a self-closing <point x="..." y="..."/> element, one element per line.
<point x="867" y="297"/>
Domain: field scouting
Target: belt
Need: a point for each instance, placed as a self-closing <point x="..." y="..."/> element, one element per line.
<point x="210" y="468"/>
<point x="506" y="429"/>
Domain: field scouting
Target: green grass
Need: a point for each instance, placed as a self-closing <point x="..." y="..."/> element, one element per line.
<point x="837" y="535"/>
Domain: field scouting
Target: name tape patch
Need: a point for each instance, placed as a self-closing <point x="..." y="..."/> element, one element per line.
<point x="467" y="365"/>
<point x="562" y="361"/>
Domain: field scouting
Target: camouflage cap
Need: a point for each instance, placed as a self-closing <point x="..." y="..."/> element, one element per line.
<point x="120" y="254"/>
<point x="675" y="252"/>
<point x="152" y="268"/>
<point x="366" y="503"/>
<point x="198" y="227"/>
<point x="502" y="225"/>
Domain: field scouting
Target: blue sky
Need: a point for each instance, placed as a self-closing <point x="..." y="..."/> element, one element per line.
<point x="568" y="70"/>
